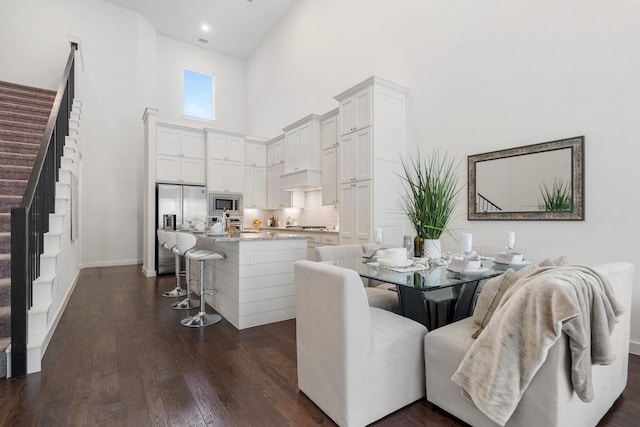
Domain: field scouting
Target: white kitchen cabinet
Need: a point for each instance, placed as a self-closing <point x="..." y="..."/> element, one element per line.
<point x="356" y="156"/>
<point x="329" y="133"/>
<point x="225" y="167"/>
<point x="225" y="176"/>
<point x="180" y="155"/>
<point x="355" y="111"/>
<point x="225" y="146"/>
<point x="275" y="151"/>
<point x="277" y="198"/>
<point x="255" y="187"/>
<point x="255" y="154"/>
<point x="356" y="212"/>
<point x="371" y="123"/>
<point x="302" y="145"/>
<point x="329" y="176"/>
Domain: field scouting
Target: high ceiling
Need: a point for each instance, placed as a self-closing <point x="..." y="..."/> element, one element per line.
<point x="236" y="27"/>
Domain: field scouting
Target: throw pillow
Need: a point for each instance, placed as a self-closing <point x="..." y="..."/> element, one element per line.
<point x="489" y="298"/>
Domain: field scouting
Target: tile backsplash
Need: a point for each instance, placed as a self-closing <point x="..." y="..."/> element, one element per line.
<point x="312" y="214"/>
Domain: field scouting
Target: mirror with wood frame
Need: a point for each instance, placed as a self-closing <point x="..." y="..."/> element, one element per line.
<point x="535" y="182"/>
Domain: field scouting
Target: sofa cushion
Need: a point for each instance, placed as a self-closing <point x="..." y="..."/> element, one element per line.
<point x="489" y="298"/>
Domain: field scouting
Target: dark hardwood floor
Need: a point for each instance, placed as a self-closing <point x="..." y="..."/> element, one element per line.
<point x="120" y="357"/>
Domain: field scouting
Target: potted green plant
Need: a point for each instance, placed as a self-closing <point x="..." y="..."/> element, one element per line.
<point x="556" y="198"/>
<point x="431" y="188"/>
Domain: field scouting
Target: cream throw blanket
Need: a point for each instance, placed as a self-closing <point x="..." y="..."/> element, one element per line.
<point x="503" y="360"/>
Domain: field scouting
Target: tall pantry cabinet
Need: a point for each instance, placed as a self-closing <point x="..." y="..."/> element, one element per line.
<point x="372" y="139"/>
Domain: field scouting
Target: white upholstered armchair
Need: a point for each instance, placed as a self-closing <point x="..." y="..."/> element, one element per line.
<point x="357" y="363"/>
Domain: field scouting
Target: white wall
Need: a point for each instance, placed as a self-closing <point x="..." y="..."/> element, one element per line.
<point x="482" y="76"/>
<point x="127" y="67"/>
<point x="229" y="73"/>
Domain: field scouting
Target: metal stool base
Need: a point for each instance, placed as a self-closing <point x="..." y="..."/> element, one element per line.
<point x="176" y="293"/>
<point x="185" y="304"/>
<point x="201" y="320"/>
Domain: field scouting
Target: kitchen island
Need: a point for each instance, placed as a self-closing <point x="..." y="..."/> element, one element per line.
<point x="255" y="283"/>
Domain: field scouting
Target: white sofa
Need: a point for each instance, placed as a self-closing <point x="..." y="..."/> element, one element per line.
<point x="357" y="363"/>
<point x="549" y="400"/>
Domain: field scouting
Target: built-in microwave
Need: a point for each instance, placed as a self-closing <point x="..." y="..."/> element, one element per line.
<point x="229" y="202"/>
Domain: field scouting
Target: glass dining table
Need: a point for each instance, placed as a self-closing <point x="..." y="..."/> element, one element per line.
<point x="434" y="296"/>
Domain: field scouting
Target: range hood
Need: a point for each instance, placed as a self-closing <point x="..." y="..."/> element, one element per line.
<point x="305" y="179"/>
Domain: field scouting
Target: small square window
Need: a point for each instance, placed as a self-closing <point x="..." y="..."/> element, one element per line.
<point x="198" y="95"/>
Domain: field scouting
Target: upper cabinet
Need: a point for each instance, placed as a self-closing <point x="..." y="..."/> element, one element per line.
<point x="225" y="146"/>
<point x="330" y="158"/>
<point x="275" y="151"/>
<point x="225" y="169"/>
<point x="355" y="110"/>
<point x="255" y="154"/>
<point x="180" y="155"/>
<point x="302" y="144"/>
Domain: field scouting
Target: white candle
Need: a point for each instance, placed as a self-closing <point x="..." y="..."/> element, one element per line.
<point x="466" y="243"/>
<point x="510" y="240"/>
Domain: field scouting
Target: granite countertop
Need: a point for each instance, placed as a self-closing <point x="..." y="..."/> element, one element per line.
<point x="297" y="230"/>
<point x="264" y="235"/>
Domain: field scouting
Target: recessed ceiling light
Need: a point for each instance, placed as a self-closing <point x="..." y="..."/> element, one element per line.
<point x="204" y="27"/>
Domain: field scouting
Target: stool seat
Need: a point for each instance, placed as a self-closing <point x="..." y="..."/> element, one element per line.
<point x="172" y="245"/>
<point x="186" y="242"/>
<point x="203" y="318"/>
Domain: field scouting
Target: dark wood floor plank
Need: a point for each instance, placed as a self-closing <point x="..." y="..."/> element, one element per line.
<point x="120" y="357"/>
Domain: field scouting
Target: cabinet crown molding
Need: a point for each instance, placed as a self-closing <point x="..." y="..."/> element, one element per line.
<point x="331" y="113"/>
<point x="301" y="121"/>
<point x="370" y="82"/>
<point x="224" y="132"/>
<point x="275" y="139"/>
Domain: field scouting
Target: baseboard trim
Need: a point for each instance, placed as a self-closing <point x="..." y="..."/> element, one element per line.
<point x="634" y="347"/>
<point x="115" y="263"/>
<point x="148" y="273"/>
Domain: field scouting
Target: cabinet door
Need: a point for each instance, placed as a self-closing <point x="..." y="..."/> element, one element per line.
<point x="305" y="146"/>
<point x="192" y="144"/>
<point x="273" y="196"/>
<point x="364" y="154"/>
<point x="363" y="109"/>
<point x="217" y="145"/>
<point x="347" y="116"/>
<point x="235" y="175"/>
<point x="167" y="168"/>
<point x="235" y="148"/>
<point x="292" y="144"/>
<point x="330" y="132"/>
<point x="329" y="176"/>
<point x="217" y="175"/>
<point x="167" y="141"/>
<point x="348" y="212"/>
<point x="355" y="212"/>
<point x="260" y="156"/>
<point x="278" y="152"/>
<point x="192" y="170"/>
<point x="260" y="187"/>
<point x="247" y="192"/>
<point x="348" y="152"/>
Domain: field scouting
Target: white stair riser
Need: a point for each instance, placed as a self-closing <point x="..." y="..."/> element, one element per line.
<point x="56" y="223"/>
<point x="52" y="243"/>
<point x="64" y="176"/>
<point x="70" y="141"/>
<point x="66" y="164"/>
<point x="42" y="292"/>
<point x="74" y="124"/>
<point x="69" y="151"/>
<point x="74" y="115"/>
<point x="73" y="133"/>
<point x="62" y="190"/>
<point x="38" y="322"/>
<point x="61" y="206"/>
<point x="48" y="265"/>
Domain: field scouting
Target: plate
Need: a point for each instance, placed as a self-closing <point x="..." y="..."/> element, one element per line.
<point x="395" y="263"/>
<point x="475" y="272"/>
<point x="516" y="264"/>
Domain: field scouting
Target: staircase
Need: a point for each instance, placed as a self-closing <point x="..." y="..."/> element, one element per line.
<point x="24" y="112"/>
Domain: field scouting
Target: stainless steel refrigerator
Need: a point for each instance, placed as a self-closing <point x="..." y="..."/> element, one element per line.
<point x="187" y="203"/>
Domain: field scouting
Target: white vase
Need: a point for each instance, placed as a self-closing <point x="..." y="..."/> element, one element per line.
<point x="432" y="248"/>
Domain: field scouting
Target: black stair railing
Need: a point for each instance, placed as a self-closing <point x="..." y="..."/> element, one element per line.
<point x="30" y="221"/>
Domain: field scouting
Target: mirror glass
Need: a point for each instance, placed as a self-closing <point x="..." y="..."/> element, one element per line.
<point x="535" y="182"/>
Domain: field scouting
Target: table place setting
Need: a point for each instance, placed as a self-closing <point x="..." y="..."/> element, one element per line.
<point x="396" y="259"/>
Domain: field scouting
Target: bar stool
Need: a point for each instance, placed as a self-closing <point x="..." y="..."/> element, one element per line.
<point x="203" y="318"/>
<point x="172" y="245"/>
<point x="186" y="242"/>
